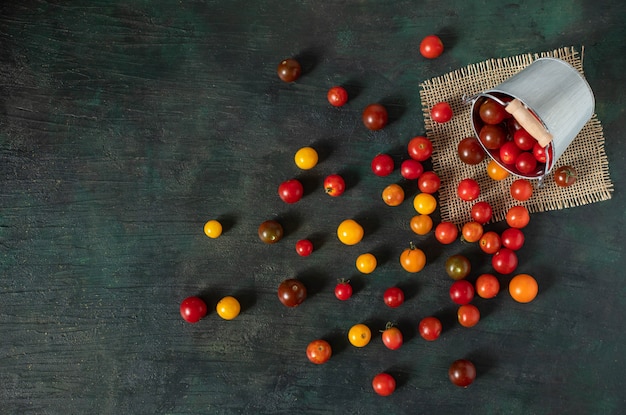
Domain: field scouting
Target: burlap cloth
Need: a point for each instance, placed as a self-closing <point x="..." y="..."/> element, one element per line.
<point x="586" y="152"/>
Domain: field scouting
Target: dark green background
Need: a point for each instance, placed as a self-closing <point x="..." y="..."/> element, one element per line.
<point x="125" y="125"/>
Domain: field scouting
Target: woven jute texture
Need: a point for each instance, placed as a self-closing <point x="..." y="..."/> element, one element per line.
<point x="586" y="152"/>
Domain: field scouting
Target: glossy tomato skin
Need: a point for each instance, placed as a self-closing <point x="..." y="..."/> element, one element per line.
<point x="470" y="151"/>
<point x="420" y="148"/>
<point x="343" y="290"/>
<point x="481" y="212"/>
<point x="492" y="136"/>
<point x="384" y="384"/>
<point x="430" y="328"/>
<point x="337" y="96"/>
<point x="392" y="337"/>
<point x="375" y="117"/>
<point x="521" y="189"/>
<point x="462" y="373"/>
<point x="504" y="261"/>
<point x="517" y="217"/>
<point x="289" y="70"/>
<point x="304" y="247"/>
<point x="458" y="266"/>
<point x="291" y="292"/>
<point x="431" y="47"/>
<point x="468" y="315"/>
<point x="509" y="152"/>
<point x="512" y="238"/>
<point x="490" y="242"/>
<point x="291" y="191"/>
<point x="565" y="176"/>
<point x="472" y="231"/>
<point x="487" y="286"/>
<point x="382" y="165"/>
<point x="461" y="292"/>
<point x="524" y="140"/>
<point x="270" y="231"/>
<point x="319" y="351"/>
<point x="334" y="185"/>
<point x="411" y="169"/>
<point x="491" y="112"/>
<point x="523" y="288"/>
<point x="526" y="163"/>
<point x="441" y="112"/>
<point x="412" y="259"/>
<point x="468" y="190"/>
<point x="539" y="153"/>
<point x="393" y="297"/>
<point x="429" y="182"/>
<point x="446" y="232"/>
<point x="193" y="309"/>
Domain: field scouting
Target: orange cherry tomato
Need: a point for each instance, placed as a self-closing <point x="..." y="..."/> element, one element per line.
<point x="523" y="288"/>
<point x="393" y="195"/>
<point x="517" y="217"/>
<point x="421" y="224"/>
<point x="413" y="259"/>
<point x="496" y="172"/>
<point x="472" y="231"/>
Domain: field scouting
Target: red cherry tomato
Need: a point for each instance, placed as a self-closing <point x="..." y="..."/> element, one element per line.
<point x="462" y="373"/>
<point x="420" y="148"/>
<point x="304" y="247"/>
<point x="319" y="351"/>
<point x="461" y="292"/>
<point x="392" y="337"/>
<point x="468" y="315"/>
<point x="430" y="328"/>
<point x="565" y="176"/>
<point x="382" y="165"/>
<point x="492" y="112"/>
<point x="490" y="242"/>
<point x="539" y="153"/>
<point x="524" y="140"/>
<point x="343" y="290"/>
<point x="334" y="185"/>
<point x="481" y="212"/>
<point x="446" y="232"/>
<point x="504" y="261"/>
<point x="337" y="96"/>
<point x="526" y="163"/>
<point x="468" y="189"/>
<point x="517" y="217"/>
<point x="441" y="112"/>
<point x="492" y="136"/>
<point x="375" y="117"/>
<point x="487" y="286"/>
<point x="521" y="189"/>
<point x="384" y="384"/>
<point x="411" y="169"/>
<point x="512" y="238"/>
<point x="509" y="151"/>
<point x="393" y="297"/>
<point x="431" y="47"/>
<point x="291" y="191"/>
<point x="429" y="182"/>
<point x="193" y="309"/>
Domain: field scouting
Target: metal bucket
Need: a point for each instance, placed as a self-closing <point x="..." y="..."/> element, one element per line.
<point x="553" y="103"/>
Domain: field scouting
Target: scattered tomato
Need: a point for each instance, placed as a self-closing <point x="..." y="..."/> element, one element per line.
<point x="193" y="309"/>
<point x="487" y="286"/>
<point x="523" y="288"/>
<point x="334" y="185"/>
<point x="382" y="165"/>
<point x="431" y="47"/>
<point x="481" y="212"/>
<point x="441" y="112"/>
<point x="472" y="231"/>
<point x="375" y="117"/>
<point x="411" y="169"/>
<point x="421" y="224"/>
<point x="393" y="195"/>
<point x="468" y="189"/>
<point x="412" y="259"/>
<point x="504" y="261"/>
<point x="306" y="158"/>
<point x="350" y="232"/>
<point x="470" y="151"/>
<point x="289" y="70"/>
<point x="490" y="242"/>
<point x="517" y="217"/>
<point x="291" y="292"/>
<point x="424" y="203"/>
<point x="319" y="351"/>
<point x="430" y="328"/>
<point x="359" y="335"/>
<point x="343" y="290"/>
<point x="392" y="337"/>
<point x="468" y="315"/>
<point x="337" y="96"/>
<point x="461" y="292"/>
<point x="495" y="171"/>
<point x="304" y="247"/>
<point x="366" y="263"/>
<point x="420" y="148"/>
<point x="213" y="229"/>
<point x="521" y="189"/>
<point x="393" y="297"/>
<point x="462" y="373"/>
<point x="228" y="308"/>
<point x="565" y="176"/>
<point x="512" y="238"/>
<point x="458" y="266"/>
<point x="291" y="191"/>
<point x="384" y="384"/>
<point x="446" y="232"/>
<point x="429" y="182"/>
<point x="270" y="231"/>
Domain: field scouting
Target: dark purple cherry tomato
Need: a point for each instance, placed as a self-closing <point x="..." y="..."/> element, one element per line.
<point x="492" y="136"/>
<point x="470" y="151"/>
<point x="289" y="70"/>
<point x="491" y="112"/>
<point x="270" y="231"/>
<point x="291" y="292"/>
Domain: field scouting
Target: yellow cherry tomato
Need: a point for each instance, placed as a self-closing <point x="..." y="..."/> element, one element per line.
<point x="523" y="288"/>
<point x="393" y="195"/>
<point x="306" y="158"/>
<point x="213" y="229"/>
<point x="359" y="335"/>
<point x="425" y="203"/>
<point x="228" y="308"/>
<point x="413" y="259"/>
<point x="366" y="263"/>
<point x="350" y="232"/>
<point x="496" y="172"/>
<point x="421" y="224"/>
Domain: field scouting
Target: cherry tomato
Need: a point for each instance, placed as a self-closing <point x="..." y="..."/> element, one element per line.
<point x="492" y="112"/>
<point x="565" y="176"/>
<point x="291" y="191"/>
<point x="428" y="182"/>
<point x="462" y="373"/>
<point x="512" y="238"/>
<point x="393" y="195"/>
<point x="213" y="229"/>
<point x="539" y="153"/>
<point x="350" y="232"/>
<point x="375" y="117"/>
<point x="470" y="151"/>
<point x="504" y="261"/>
<point x="458" y="266"/>
<point x="289" y="70"/>
<point x="461" y="292"/>
<point x="424" y="203"/>
<point x="359" y="335"/>
<point x="430" y="328"/>
<point x="517" y="217"/>
<point x="441" y="112"/>
<point x="337" y="96"/>
<point x="334" y="185"/>
<point x="306" y="158"/>
<point x="526" y="163"/>
<point x="468" y="315"/>
<point x="524" y="140"/>
<point x="193" y="309"/>
<point x="468" y="189"/>
<point x="521" y="189"/>
<point x="270" y="231"/>
<point x="490" y="242"/>
<point x="492" y="136"/>
<point x="319" y="351"/>
<point x="291" y="292"/>
<point x="421" y="224"/>
<point x="228" y="308"/>
<point x="420" y="148"/>
<point x="412" y="259"/>
<point x="446" y="232"/>
<point x="487" y="286"/>
<point x="411" y="169"/>
<point x="393" y="297"/>
<point x="509" y="151"/>
<point x="495" y="171"/>
<point x="304" y="247"/>
<point x="392" y="337"/>
<point x="472" y="231"/>
<point x="384" y="384"/>
<point x="382" y="165"/>
<point x="343" y="290"/>
<point x="523" y="288"/>
<point x="481" y="212"/>
<point x="366" y="263"/>
<point x="431" y="47"/>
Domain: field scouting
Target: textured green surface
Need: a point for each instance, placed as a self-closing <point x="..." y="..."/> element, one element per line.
<point x="124" y="126"/>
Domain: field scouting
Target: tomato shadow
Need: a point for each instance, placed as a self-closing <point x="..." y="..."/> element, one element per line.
<point x="354" y="88"/>
<point x="410" y="288"/>
<point x="351" y="177"/>
<point x="400" y="373"/>
<point x="315" y="280"/>
<point x="247" y="298"/>
<point x="310" y="183"/>
<point x="309" y="59"/>
<point x="448" y="36"/>
<point x="408" y="328"/>
<point x="318" y="239"/>
<point x="337" y="339"/>
<point x="370" y="222"/>
<point x="358" y="283"/>
<point x="227" y="221"/>
<point x="324" y="148"/>
<point x="383" y="254"/>
<point x="484" y="361"/>
<point x="396" y="107"/>
<point x="448" y="318"/>
<point x="290" y="222"/>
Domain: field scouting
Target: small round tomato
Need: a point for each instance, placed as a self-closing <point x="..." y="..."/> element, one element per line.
<point x="421" y="224"/>
<point x="392" y="337"/>
<point x="359" y="335"/>
<point x="481" y="212"/>
<point x="565" y="176"/>
<point x="504" y="261"/>
<point x="337" y="96"/>
<point x="523" y="139"/>
<point x="492" y="136"/>
<point x="509" y="151"/>
<point x="350" y="232"/>
<point x="441" y="112"/>
<point x="526" y="163"/>
<point x="420" y="148"/>
<point x="517" y="217"/>
<point x="446" y="232"/>
<point x="213" y="229"/>
<point x="461" y="292"/>
<point x="458" y="266"/>
<point x="468" y="189"/>
<point x="193" y="309"/>
<point x="366" y="263"/>
<point x="521" y="189"/>
<point x="468" y="315"/>
<point x="289" y="70"/>
<point x="430" y="328"/>
<point x="490" y="242"/>
<point x="319" y="351"/>
<point x="462" y="373"/>
<point x="270" y="231"/>
<point x="424" y="203"/>
<point x="393" y="195"/>
<point x="334" y="185"/>
<point x="291" y="191"/>
<point x="429" y="182"/>
<point x="470" y="151"/>
<point x="495" y="171"/>
<point x="393" y="297"/>
<point x="512" y="238"/>
<point x="431" y="47"/>
<point x="375" y="117"/>
<point x="343" y="290"/>
<point x="472" y="231"/>
<point x="382" y="165"/>
<point x="492" y="112"/>
<point x="306" y="158"/>
<point x="304" y="247"/>
<point x="411" y="169"/>
<point x="487" y="286"/>
<point x="412" y="259"/>
<point x="539" y="153"/>
<point x="384" y="384"/>
<point x="291" y="292"/>
<point x="228" y="308"/>
<point x="523" y="288"/>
